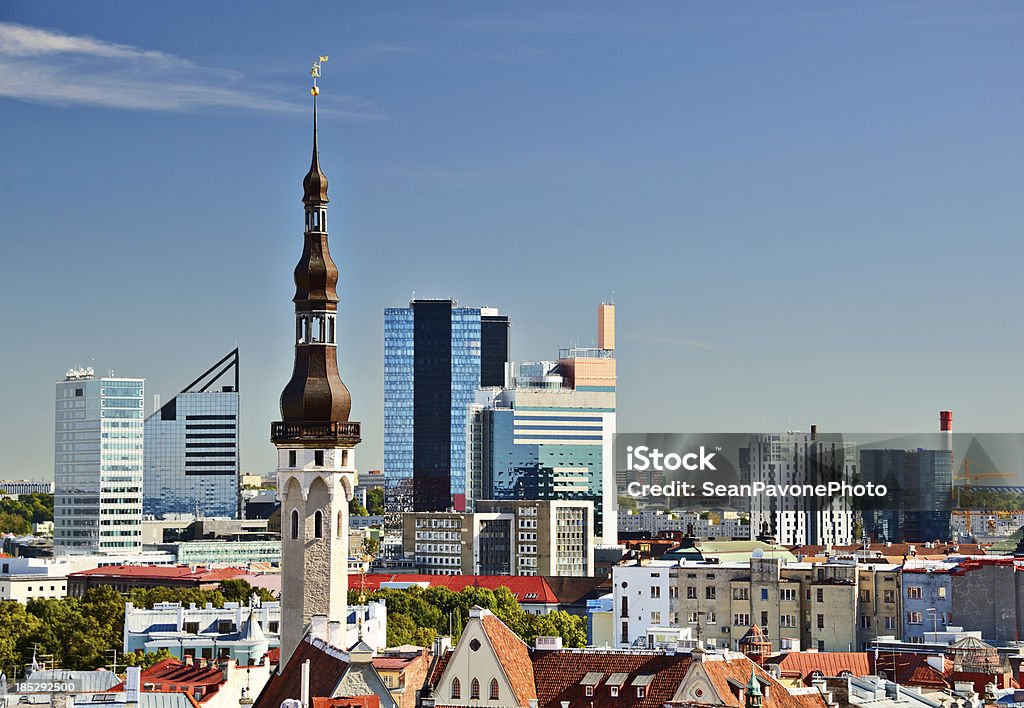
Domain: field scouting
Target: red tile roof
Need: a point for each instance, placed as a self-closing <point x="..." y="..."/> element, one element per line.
<point x="913" y="670"/>
<point x="559" y="673"/>
<point x="169" y="572"/>
<point x="525" y="588"/>
<point x="803" y="664"/>
<point x="514" y="656"/>
<point x="347" y="702"/>
<point x="726" y="675"/>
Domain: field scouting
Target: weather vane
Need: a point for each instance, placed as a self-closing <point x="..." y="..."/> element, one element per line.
<point x="315" y="73"/>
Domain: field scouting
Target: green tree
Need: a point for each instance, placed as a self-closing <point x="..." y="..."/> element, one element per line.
<point x="12" y="522"/>
<point x="357" y="509"/>
<point x="146" y="659"/>
<point x="571" y="628"/>
<point x="628" y="502"/>
<point x="17" y="628"/>
<point x="375" y="501"/>
<point x="240" y="590"/>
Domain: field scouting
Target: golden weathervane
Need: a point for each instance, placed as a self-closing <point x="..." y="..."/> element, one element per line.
<point x="315" y="73"/>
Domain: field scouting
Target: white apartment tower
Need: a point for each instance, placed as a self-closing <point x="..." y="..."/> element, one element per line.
<point x="801" y="459"/>
<point x="98" y="464"/>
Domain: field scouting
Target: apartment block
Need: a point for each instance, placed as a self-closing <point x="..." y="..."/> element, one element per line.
<point x="504" y="537"/>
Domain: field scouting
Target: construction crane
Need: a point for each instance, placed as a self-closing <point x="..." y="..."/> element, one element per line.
<point x="968" y="476"/>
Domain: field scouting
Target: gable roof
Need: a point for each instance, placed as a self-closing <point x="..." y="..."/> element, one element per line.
<point x="325" y="671"/>
<point x="728" y="674"/>
<point x="513" y="655"/>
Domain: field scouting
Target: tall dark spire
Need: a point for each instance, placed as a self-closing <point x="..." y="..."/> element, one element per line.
<point x="315" y="395"/>
<point x="314" y="186"/>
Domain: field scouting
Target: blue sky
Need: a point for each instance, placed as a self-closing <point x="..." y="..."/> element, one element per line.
<point x="807" y="212"/>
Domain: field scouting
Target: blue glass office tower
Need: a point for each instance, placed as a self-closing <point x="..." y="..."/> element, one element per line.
<point x="436" y="355"/>
<point x="191" y="452"/>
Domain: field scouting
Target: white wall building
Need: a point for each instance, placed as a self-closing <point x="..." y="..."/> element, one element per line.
<point x="801" y="459"/>
<point x="98" y="464"/>
<point x="641" y="600"/>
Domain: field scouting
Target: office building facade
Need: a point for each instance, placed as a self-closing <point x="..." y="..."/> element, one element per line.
<point x="920" y="481"/>
<point x="802" y="459"/>
<point x="549" y="437"/>
<point x="504" y="537"/>
<point x="98" y="464"/>
<point x="436" y="356"/>
<point x="192" y="448"/>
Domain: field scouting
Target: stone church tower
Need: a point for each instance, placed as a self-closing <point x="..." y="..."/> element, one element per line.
<point x="316" y="468"/>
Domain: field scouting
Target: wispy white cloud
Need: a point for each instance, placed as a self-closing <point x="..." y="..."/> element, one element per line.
<point x="47" y="66"/>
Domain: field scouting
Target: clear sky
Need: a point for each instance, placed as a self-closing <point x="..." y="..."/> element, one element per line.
<point x="807" y="212"/>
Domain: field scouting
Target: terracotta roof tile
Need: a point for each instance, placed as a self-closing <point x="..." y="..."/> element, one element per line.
<point x="514" y="655"/>
<point x="559" y="673"/>
<point x="803" y="664"/>
<point x="726" y="675"/>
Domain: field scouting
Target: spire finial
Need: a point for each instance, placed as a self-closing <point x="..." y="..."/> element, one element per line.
<point x="315" y="73"/>
<point x="315" y="184"/>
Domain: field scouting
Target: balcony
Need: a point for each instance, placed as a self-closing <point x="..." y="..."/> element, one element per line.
<point x="315" y="434"/>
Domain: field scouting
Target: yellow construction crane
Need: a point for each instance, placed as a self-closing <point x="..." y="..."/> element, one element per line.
<point x="968" y="476"/>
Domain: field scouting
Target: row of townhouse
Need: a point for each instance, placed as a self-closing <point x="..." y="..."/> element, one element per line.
<point x="842" y="604"/>
<point x="836" y="606"/>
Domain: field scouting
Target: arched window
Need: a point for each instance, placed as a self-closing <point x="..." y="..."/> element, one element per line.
<point x="474" y="690"/>
<point x="456" y="688"/>
<point x="295" y="524"/>
<point x="318" y="524"/>
<point x="494" y="689"/>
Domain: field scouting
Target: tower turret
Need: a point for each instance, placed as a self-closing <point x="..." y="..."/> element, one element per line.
<point x="315" y="440"/>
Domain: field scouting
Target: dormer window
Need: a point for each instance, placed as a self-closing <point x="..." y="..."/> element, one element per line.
<point x="589" y="690"/>
<point x="613" y="691"/>
<point x="641" y="691"/>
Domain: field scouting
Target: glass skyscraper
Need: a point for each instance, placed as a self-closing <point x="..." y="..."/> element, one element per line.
<point x="434" y="362"/>
<point x="98" y="459"/>
<point x="192" y="457"/>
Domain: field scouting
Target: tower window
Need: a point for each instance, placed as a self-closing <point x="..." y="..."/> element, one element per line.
<point x="291" y="458"/>
<point x="318" y="524"/>
<point x="295" y="524"/>
<point x="318" y="458"/>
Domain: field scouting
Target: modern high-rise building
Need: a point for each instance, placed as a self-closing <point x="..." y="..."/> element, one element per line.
<point x="920" y="484"/>
<point x="98" y="464"/>
<point x="550" y="435"/>
<point x="801" y="459"/>
<point x="436" y="356"/>
<point x="192" y="454"/>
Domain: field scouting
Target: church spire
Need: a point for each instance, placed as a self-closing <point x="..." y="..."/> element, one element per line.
<point x="314" y="186"/>
<point x="315" y="440"/>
